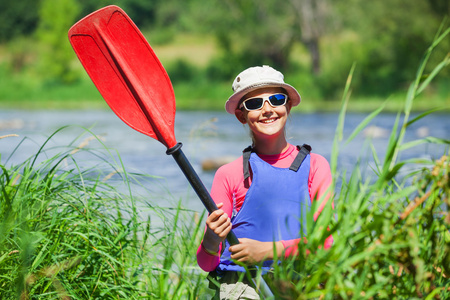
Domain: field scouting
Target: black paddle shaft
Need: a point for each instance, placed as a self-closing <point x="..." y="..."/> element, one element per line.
<point x="197" y="184"/>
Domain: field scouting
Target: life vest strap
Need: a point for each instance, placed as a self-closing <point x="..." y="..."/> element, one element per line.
<point x="304" y="150"/>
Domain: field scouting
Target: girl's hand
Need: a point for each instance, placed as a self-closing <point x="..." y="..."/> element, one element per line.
<point x="218" y="225"/>
<point x="252" y="251"/>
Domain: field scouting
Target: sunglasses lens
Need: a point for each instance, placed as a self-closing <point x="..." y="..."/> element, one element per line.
<point x="253" y="103"/>
<point x="277" y="99"/>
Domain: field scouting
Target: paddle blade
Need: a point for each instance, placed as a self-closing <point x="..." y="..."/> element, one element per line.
<point x="126" y="71"/>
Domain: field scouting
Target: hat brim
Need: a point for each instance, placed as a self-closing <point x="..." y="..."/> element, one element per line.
<point x="233" y="101"/>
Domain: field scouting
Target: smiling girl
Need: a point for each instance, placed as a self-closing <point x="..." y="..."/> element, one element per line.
<point x="264" y="193"/>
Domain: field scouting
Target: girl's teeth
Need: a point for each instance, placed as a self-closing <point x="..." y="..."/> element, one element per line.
<point x="268" y="121"/>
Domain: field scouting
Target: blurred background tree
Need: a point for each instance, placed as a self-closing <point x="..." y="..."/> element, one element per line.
<point x="56" y="54"/>
<point x="18" y="18"/>
<point x="392" y="37"/>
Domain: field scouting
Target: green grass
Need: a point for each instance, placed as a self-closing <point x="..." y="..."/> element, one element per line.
<point x="202" y="95"/>
<point x="67" y="232"/>
<point x="25" y="91"/>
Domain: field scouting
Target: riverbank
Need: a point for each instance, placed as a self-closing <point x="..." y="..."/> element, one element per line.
<point x="202" y="97"/>
<point x="315" y="106"/>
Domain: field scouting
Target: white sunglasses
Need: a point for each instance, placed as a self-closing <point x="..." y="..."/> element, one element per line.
<point x="256" y="103"/>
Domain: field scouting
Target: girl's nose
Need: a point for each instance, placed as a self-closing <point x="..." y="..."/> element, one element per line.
<point x="266" y="107"/>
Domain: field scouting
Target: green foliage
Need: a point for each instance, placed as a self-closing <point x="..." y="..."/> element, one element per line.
<point x="182" y="71"/>
<point x="55" y="18"/>
<point x="440" y="7"/>
<point x="18" y="18"/>
<point x="21" y="55"/>
<point x="69" y="231"/>
<point x="252" y="32"/>
<point x="224" y="68"/>
<point x="391" y="41"/>
<point x="87" y="6"/>
<point x="343" y="51"/>
<point x="158" y="13"/>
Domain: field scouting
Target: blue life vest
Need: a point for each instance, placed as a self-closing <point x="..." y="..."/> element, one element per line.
<point x="274" y="206"/>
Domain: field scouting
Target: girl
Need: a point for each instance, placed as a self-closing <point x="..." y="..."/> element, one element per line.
<point x="262" y="194"/>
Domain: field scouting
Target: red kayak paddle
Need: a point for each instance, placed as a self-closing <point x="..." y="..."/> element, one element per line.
<point x="133" y="82"/>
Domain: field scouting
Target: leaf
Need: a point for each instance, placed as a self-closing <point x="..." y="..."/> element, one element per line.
<point x="409" y="98"/>
<point x="394" y="170"/>
<point x="364" y="123"/>
<point x="427" y="140"/>
<point x="340" y="126"/>
<point x="389" y="159"/>
<point x="423" y="115"/>
<point x="433" y="74"/>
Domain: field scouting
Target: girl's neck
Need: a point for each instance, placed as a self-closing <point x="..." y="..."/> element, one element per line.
<point x="270" y="146"/>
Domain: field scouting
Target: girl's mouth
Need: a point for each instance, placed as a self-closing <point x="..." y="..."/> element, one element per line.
<point x="268" y="121"/>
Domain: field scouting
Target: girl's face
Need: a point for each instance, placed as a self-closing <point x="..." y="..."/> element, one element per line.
<point x="269" y="121"/>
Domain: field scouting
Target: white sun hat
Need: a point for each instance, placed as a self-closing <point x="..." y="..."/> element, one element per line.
<point x="255" y="78"/>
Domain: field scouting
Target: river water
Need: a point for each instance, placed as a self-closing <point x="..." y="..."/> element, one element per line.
<point x="204" y="135"/>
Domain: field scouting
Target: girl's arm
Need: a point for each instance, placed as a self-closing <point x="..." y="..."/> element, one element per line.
<point x="218" y="224"/>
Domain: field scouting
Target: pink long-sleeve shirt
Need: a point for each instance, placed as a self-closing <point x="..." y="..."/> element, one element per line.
<point x="228" y="188"/>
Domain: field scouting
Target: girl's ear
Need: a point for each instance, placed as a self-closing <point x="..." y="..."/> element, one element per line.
<point x="288" y="107"/>
<point x="240" y="115"/>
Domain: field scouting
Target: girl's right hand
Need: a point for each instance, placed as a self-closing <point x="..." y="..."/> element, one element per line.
<point x="218" y="225"/>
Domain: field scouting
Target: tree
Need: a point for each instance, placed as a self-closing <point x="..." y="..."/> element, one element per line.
<point x="257" y="32"/>
<point x="440" y="7"/>
<point x="18" y="18"/>
<point x="55" y="19"/>
<point x="393" y="36"/>
<point x="248" y="33"/>
<point x="312" y="20"/>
